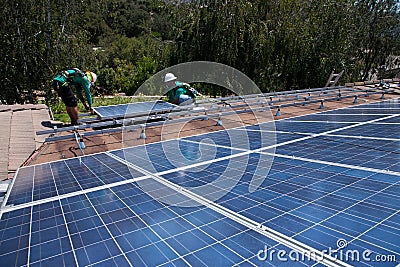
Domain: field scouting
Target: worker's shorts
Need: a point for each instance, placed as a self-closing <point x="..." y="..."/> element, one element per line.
<point x="65" y="92"/>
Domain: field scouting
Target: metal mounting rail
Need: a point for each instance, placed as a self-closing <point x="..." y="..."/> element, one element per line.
<point x="121" y="128"/>
<point x="129" y="125"/>
<point x="365" y="94"/>
<point x="195" y="113"/>
<point x="97" y="122"/>
<point x="306" y="99"/>
<point x="282" y="93"/>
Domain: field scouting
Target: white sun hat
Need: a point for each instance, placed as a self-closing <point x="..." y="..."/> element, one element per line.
<point x="169" y="77"/>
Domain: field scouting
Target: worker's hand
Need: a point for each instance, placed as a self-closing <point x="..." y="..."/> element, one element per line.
<point x="91" y="111"/>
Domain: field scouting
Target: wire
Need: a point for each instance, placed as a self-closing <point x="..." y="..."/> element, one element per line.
<point x="71" y="149"/>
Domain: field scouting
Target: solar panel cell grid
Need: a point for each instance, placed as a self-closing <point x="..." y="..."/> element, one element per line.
<point x="362" y="111"/>
<point x="320" y="189"/>
<point x="337" y="118"/>
<point x="391" y="120"/>
<point x="308" y="127"/>
<point x="374" y="130"/>
<point x="14" y="231"/>
<point x="221" y="138"/>
<point x="318" y="192"/>
<point x="23" y="187"/>
<point x="100" y="227"/>
<point x="391" y="104"/>
<point x="120" y="111"/>
<point x="169" y="155"/>
<point x="69" y="176"/>
<point x="363" y="153"/>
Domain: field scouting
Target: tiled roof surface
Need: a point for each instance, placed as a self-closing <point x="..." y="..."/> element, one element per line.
<point x="18" y="140"/>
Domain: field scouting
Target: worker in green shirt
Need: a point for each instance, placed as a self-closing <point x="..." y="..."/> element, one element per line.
<point x="177" y="92"/>
<point x="63" y="83"/>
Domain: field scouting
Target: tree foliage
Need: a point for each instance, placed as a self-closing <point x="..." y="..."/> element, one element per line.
<point x="279" y="44"/>
<point x="39" y="38"/>
<point x="288" y="44"/>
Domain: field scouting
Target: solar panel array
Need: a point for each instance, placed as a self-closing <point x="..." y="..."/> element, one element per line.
<point x="122" y="110"/>
<point x="333" y="189"/>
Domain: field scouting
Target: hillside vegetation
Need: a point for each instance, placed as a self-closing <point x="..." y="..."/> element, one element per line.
<point x="281" y="44"/>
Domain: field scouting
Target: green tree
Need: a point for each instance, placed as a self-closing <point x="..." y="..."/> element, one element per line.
<point x="377" y="30"/>
<point x="279" y="44"/>
<point x="287" y="44"/>
<point x="39" y="38"/>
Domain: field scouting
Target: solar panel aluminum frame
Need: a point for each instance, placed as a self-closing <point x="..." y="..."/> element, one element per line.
<point x="131" y="114"/>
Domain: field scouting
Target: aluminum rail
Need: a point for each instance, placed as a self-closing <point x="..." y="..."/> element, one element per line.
<point x="110" y="121"/>
<point x="282" y="93"/>
<point x="129" y="124"/>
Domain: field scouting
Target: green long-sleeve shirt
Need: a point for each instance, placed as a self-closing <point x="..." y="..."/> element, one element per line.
<point x="179" y="89"/>
<point x="79" y="80"/>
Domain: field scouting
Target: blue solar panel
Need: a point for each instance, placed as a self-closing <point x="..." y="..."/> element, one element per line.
<point x="391" y="104"/>
<point x="164" y="156"/>
<point x="62" y="177"/>
<point x="144" y="108"/>
<point x="374" y="130"/>
<point x="337" y="118"/>
<point x="309" y="127"/>
<point x="328" y="185"/>
<point x="241" y="138"/>
<point x="361" y="111"/>
<point x="391" y="120"/>
<point x="124" y="225"/>
<point x="306" y="202"/>
<point x="347" y="151"/>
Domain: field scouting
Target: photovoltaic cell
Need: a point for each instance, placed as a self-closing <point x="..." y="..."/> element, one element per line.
<point x="362" y="111"/>
<point x="355" y="152"/>
<point x="53" y="179"/>
<point x="391" y="120"/>
<point x="124" y="225"/>
<point x="309" y="127"/>
<point x="295" y="198"/>
<point x="391" y="104"/>
<point x="374" y="130"/>
<point x="14" y="232"/>
<point x="164" y="156"/>
<point x="333" y="181"/>
<point x="22" y="189"/>
<point x="337" y="118"/>
<point x="131" y="109"/>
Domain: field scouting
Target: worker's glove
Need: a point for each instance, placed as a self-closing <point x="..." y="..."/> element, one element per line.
<point x="194" y="91"/>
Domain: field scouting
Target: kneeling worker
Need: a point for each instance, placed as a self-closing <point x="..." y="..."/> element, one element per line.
<point x="177" y="92"/>
<point x="74" y="77"/>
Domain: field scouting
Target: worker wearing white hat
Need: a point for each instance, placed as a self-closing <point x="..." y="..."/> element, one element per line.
<point x="177" y="92"/>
